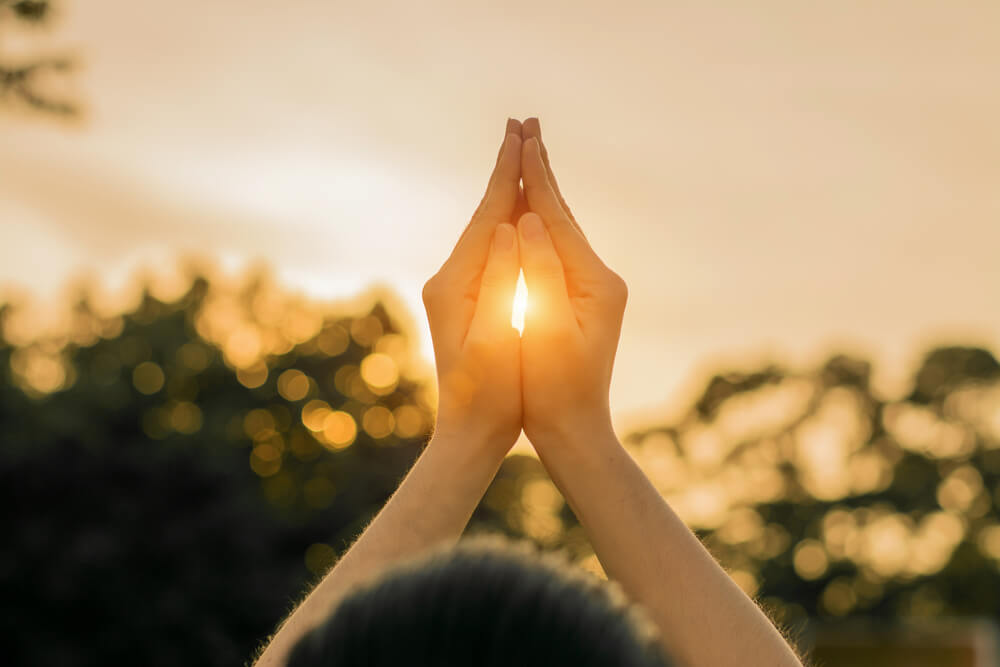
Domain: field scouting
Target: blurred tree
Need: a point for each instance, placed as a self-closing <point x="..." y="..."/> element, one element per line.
<point x="826" y="500"/>
<point x="174" y="476"/>
<point x="166" y="498"/>
<point x="22" y="80"/>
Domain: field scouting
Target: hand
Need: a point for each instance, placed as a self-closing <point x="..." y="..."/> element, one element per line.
<point x="577" y="303"/>
<point x="468" y="302"/>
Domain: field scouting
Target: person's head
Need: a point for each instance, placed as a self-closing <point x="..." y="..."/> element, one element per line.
<point x="487" y="603"/>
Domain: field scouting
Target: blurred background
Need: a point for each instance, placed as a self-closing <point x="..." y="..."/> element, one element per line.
<point x="216" y="219"/>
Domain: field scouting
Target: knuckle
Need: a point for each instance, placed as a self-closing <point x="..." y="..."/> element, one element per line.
<point x="432" y="290"/>
<point x="491" y="280"/>
<point x="617" y="287"/>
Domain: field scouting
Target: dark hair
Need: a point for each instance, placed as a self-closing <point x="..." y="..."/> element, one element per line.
<point x="487" y="602"/>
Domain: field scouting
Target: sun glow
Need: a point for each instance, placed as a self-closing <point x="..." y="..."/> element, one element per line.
<point x="520" y="304"/>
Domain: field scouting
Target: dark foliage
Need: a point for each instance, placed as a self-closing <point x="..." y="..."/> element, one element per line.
<point x="129" y="542"/>
<point x="167" y="499"/>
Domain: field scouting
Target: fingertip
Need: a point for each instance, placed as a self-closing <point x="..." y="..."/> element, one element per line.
<point x="528" y="214"/>
<point x="508" y="165"/>
<point x="513" y="126"/>
<point x="531" y="227"/>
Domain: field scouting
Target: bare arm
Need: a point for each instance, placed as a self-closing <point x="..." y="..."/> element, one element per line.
<point x="431" y="507"/>
<point x="703" y="616"/>
<point x="477" y="355"/>
<point x="567" y="355"/>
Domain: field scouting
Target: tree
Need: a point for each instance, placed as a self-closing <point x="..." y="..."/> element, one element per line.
<point x="827" y="500"/>
<point x="174" y="476"/>
<point x="23" y="81"/>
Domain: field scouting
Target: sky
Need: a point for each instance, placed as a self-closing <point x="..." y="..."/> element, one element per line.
<point x="774" y="180"/>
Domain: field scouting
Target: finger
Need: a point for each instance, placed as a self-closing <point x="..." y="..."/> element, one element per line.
<point x="533" y="128"/>
<point x="521" y="207"/>
<point x="543" y="275"/>
<point x="497" y="206"/>
<point x="513" y="127"/>
<point x="496" y="289"/>
<point x="573" y="249"/>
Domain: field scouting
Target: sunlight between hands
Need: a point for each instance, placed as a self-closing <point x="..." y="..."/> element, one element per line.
<point x="555" y="380"/>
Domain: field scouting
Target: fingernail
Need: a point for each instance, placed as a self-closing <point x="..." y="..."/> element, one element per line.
<point x="531" y="227"/>
<point x="503" y="237"/>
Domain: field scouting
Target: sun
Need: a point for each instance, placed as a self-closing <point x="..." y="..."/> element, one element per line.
<point x="520" y="304"/>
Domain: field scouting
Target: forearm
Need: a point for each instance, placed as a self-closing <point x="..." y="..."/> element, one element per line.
<point x="431" y="507"/>
<point x="704" y="618"/>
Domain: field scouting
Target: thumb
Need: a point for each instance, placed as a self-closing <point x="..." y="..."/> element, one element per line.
<point x="496" y="288"/>
<point x="543" y="274"/>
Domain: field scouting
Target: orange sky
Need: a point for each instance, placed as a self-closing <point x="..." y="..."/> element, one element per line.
<point x="774" y="180"/>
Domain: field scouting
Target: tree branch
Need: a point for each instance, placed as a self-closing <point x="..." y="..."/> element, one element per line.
<point x="21" y="81"/>
<point x="28" y="10"/>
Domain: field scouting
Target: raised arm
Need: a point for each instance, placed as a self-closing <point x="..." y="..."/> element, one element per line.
<point x="479" y="406"/>
<point x="567" y="353"/>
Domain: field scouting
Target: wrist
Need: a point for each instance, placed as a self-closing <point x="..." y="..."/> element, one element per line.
<point x="587" y="430"/>
<point x="468" y="439"/>
<point x="461" y="462"/>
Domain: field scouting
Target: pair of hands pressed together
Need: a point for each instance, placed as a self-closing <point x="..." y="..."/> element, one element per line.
<point x="553" y="382"/>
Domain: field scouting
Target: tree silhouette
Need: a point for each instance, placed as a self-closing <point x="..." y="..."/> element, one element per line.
<point x="164" y="507"/>
<point x="22" y="81"/>
<point x="831" y="501"/>
<point x="174" y="476"/>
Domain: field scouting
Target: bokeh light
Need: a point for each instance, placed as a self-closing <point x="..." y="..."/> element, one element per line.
<point x="186" y="417"/>
<point x="339" y="429"/>
<point x="378" y="421"/>
<point x="380" y="372"/>
<point x="409" y="421"/>
<point x="319" y="557"/>
<point x="148" y="377"/>
<point x="314" y="414"/>
<point x="293" y="385"/>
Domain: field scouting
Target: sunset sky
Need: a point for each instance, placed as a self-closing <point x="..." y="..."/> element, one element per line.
<point x="772" y="179"/>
